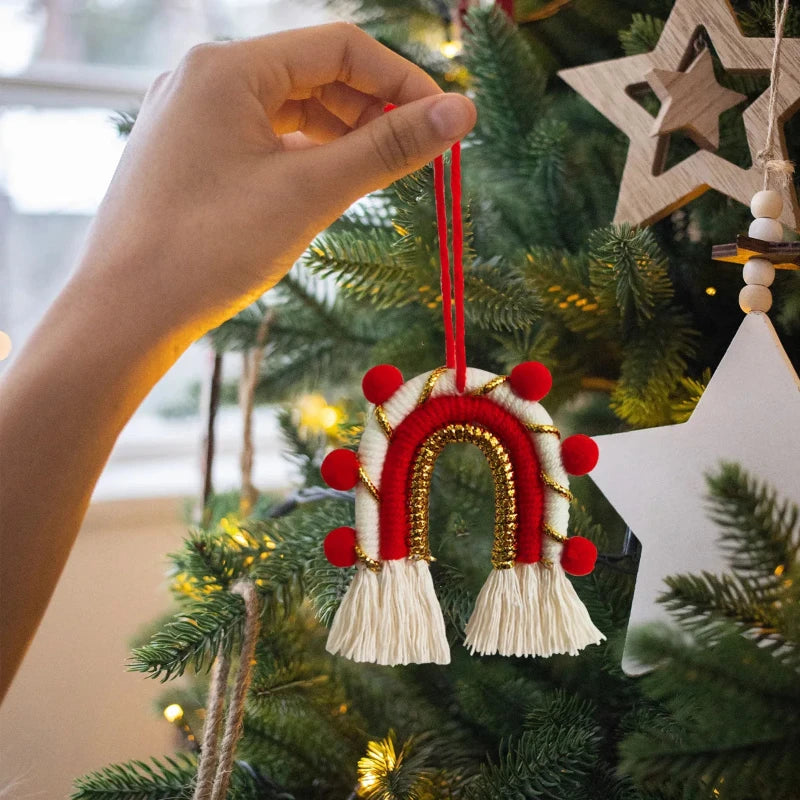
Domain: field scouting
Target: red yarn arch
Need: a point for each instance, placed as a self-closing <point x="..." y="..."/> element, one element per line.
<point x="412" y="433"/>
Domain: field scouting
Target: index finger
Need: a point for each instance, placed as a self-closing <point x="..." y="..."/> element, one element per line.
<point x="294" y="62"/>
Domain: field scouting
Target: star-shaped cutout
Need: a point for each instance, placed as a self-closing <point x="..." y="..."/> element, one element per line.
<point x="647" y="193"/>
<point x="655" y="478"/>
<point x="692" y="101"/>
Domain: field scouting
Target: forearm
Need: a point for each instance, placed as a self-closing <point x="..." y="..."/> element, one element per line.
<point x="63" y="403"/>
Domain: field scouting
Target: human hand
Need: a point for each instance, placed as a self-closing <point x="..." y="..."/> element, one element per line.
<point x="245" y="152"/>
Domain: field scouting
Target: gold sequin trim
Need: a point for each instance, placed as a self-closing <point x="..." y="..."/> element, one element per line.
<point x="370" y="563"/>
<point x="557" y="487"/>
<point x="430" y="383"/>
<point x="383" y="421"/>
<point x="536" y="428"/>
<point x="368" y="483"/>
<point x="490" y="385"/>
<point x="554" y="534"/>
<point x="504" y="549"/>
<point x="546" y="562"/>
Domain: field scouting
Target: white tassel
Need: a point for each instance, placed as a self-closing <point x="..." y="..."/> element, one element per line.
<point x="566" y="624"/>
<point x="532" y="610"/>
<point x="413" y="629"/>
<point x="494" y="626"/>
<point x="355" y="629"/>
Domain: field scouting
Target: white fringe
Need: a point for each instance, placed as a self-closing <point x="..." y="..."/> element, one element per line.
<point x="391" y="617"/>
<point x="565" y="623"/>
<point x="413" y="629"/>
<point x="356" y="626"/>
<point x="529" y="611"/>
<point x="494" y="626"/>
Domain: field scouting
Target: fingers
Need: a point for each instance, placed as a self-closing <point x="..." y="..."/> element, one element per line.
<point x="309" y="117"/>
<point x="387" y="148"/>
<point x="350" y="105"/>
<point x="290" y="63"/>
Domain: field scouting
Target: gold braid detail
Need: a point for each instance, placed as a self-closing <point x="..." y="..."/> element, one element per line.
<point x="383" y="421"/>
<point x="553" y="533"/>
<point x="557" y="487"/>
<point x="535" y="427"/>
<point x="490" y="385"/>
<point x="429" y="384"/>
<point x="504" y="549"/>
<point x="370" y="563"/>
<point x="368" y="483"/>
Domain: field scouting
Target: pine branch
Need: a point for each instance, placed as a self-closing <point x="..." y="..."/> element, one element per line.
<point x="496" y="299"/>
<point x="738" y="709"/>
<point x="367" y="267"/>
<point x="629" y="271"/>
<point x="509" y="82"/>
<point x="548" y="760"/>
<point x="561" y="283"/>
<point x="642" y="35"/>
<point x="170" y="778"/>
<point x="167" y="779"/>
<point x="276" y="558"/>
<point x="654" y="361"/>
<point x="760" y="534"/>
<point x="386" y="773"/>
<point x="685" y="400"/>
<point x="708" y="604"/>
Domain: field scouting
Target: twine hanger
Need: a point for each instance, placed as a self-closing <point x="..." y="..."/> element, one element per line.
<point x="216" y="756"/>
<point x="778" y="168"/>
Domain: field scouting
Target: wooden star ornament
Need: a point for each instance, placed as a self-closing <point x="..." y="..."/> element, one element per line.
<point x="648" y="190"/>
<point x="655" y="478"/>
<point x="691" y="101"/>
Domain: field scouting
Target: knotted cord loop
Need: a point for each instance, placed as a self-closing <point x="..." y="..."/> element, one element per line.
<point x="765" y="157"/>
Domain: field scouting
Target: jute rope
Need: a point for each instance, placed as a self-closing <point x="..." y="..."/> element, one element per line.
<point x="216" y="757"/>
<point x="765" y="158"/>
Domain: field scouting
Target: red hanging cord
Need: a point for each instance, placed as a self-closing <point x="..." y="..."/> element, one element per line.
<point x="452" y="290"/>
<point x="455" y="349"/>
<point x="458" y="265"/>
<point x="444" y="261"/>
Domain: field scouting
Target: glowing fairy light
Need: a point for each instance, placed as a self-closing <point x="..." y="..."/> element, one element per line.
<point x="317" y="415"/>
<point x="173" y="713"/>
<point x="451" y="48"/>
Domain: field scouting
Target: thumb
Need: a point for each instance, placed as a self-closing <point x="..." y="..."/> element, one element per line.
<point x="390" y="146"/>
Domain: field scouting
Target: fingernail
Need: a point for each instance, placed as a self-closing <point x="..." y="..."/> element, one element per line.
<point x="452" y="116"/>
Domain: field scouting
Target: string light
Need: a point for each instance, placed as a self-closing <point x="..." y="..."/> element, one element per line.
<point x="317" y="415"/>
<point x="377" y="766"/>
<point x="711" y="290"/>
<point x="451" y="48"/>
<point x="5" y="345"/>
<point x="173" y="713"/>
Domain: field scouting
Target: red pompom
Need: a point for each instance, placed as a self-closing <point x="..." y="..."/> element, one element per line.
<point x="531" y="380"/>
<point x="579" y="454"/>
<point x="340" y="547"/>
<point x="381" y="382"/>
<point x="340" y="469"/>
<point x="578" y="556"/>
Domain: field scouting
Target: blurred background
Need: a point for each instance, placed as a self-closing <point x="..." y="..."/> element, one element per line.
<point x="67" y="68"/>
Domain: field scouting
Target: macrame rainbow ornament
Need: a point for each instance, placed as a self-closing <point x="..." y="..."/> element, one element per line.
<point x="527" y="607"/>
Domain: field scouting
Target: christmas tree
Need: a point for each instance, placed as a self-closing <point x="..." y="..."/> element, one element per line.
<point x="631" y="322"/>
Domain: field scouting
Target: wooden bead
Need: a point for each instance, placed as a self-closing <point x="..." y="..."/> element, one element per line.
<point x="767" y="203"/>
<point x="758" y="272"/>
<point x="755" y="298"/>
<point x="766" y="229"/>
